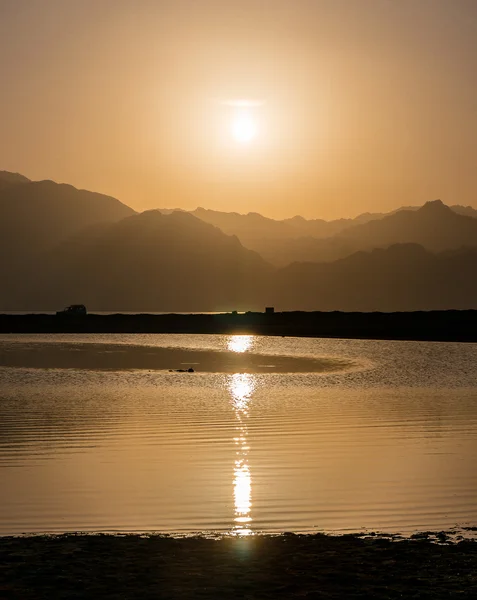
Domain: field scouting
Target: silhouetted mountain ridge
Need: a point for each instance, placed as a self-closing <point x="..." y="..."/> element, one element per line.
<point x="434" y="226"/>
<point x="62" y="246"/>
<point x="152" y="262"/>
<point x="37" y="215"/>
<point x="402" y="277"/>
<point x="299" y="239"/>
<point x="8" y="179"/>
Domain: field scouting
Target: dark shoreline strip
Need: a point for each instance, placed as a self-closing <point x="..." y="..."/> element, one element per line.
<point x="451" y="325"/>
<point x="261" y="567"/>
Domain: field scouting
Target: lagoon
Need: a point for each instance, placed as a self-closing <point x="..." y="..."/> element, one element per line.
<point x="268" y="434"/>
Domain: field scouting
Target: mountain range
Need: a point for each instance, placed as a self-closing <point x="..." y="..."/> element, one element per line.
<point x="35" y="216"/>
<point x="60" y="246"/>
<point x="301" y="240"/>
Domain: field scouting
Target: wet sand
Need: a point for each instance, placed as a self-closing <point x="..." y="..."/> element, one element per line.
<point x="121" y="356"/>
<point x="258" y="567"/>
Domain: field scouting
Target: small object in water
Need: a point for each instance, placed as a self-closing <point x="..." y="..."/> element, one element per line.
<point x="190" y="370"/>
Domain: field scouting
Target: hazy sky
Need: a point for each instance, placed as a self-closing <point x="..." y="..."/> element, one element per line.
<point x="358" y="105"/>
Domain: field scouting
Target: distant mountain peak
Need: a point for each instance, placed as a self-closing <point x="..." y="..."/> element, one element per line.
<point x="8" y="179"/>
<point x="435" y="205"/>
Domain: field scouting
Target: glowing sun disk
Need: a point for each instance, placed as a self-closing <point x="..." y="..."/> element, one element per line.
<point x="244" y="128"/>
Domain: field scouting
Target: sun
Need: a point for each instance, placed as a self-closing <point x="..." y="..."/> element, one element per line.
<point x="244" y="127"/>
<point x="243" y="119"/>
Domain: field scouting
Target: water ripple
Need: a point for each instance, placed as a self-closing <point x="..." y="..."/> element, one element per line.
<point x="387" y="443"/>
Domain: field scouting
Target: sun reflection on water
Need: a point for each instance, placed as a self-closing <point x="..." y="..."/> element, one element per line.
<point x="240" y="343"/>
<point x="241" y="387"/>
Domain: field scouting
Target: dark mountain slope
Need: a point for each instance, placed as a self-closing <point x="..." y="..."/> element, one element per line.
<point x="464" y="210"/>
<point x="254" y="228"/>
<point x="152" y="262"/>
<point x="434" y="226"/>
<point x="36" y="216"/>
<point x="282" y="242"/>
<point x="8" y="179"/>
<point x="52" y="211"/>
<point x="249" y="227"/>
<point x="402" y="277"/>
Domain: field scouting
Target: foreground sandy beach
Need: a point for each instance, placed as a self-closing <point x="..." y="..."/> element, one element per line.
<point x="289" y="566"/>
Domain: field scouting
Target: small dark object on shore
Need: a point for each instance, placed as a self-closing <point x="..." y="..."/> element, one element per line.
<point x="75" y="310"/>
<point x="190" y="370"/>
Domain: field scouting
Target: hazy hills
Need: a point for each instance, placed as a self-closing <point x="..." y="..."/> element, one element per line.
<point x="252" y="227"/>
<point x="35" y="216"/>
<point x="435" y="226"/>
<point x="60" y="245"/>
<point x="399" y="278"/>
<point x="152" y="262"/>
<point x="299" y="240"/>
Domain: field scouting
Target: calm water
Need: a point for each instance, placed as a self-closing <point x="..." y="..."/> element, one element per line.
<point x="267" y="435"/>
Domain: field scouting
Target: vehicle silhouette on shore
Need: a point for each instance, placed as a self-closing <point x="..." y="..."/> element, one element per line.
<point x="75" y="310"/>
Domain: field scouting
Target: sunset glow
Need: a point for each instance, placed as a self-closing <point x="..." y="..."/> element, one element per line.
<point x="238" y="319"/>
<point x="322" y="109"/>
<point x="244" y="127"/>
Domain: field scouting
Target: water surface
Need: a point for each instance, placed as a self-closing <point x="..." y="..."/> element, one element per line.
<point x="267" y="435"/>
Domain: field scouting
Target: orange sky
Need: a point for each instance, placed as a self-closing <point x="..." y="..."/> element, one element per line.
<point x="366" y="105"/>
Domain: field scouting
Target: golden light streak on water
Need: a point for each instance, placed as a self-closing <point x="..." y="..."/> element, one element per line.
<point x="241" y="387"/>
<point x="240" y="343"/>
